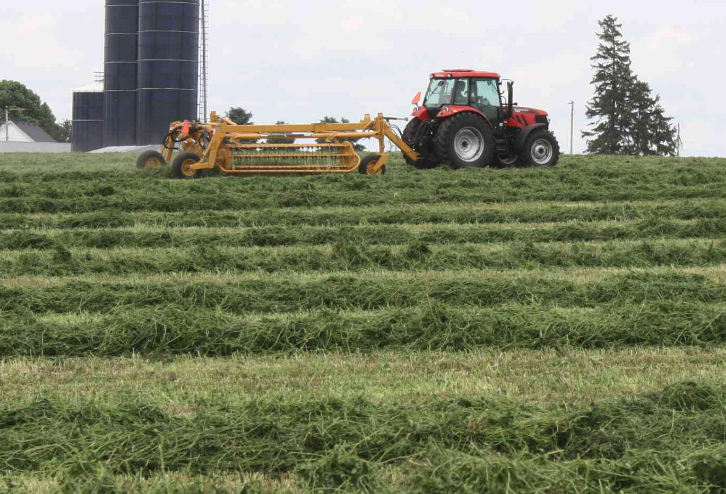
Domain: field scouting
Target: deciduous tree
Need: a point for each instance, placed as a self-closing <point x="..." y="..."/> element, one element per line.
<point x="32" y="109"/>
<point x="240" y="116"/>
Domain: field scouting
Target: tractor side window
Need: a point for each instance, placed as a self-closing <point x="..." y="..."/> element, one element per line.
<point x="485" y="97"/>
<point x="461" y="95"/>
<point x="440" y="92"/>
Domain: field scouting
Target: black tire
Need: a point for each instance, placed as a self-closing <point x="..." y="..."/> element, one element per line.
<point x="409" y="134"/>
<point x="541" y="149"/>
<point x="150" y="160"/>
<point x="180" y="165"/>
<point x="465" y="140"/>
<point x="370" y="160"/>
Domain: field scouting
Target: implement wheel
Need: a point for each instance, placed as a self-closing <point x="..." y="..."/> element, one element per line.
<point x="408" y="136"/>
<point x="182" y="166"/>
<point x="150" y="160"/>
<point x="465" y="140"/>
<point x="368" y="164"/>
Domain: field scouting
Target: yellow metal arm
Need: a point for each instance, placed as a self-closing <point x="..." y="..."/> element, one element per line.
<point x="254" y="148"/>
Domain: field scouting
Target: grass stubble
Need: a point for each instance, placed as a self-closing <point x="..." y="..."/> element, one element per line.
<point x="554" y="330"/>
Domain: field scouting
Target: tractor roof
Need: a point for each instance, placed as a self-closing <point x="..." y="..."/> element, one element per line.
<point x="461" y="73"/>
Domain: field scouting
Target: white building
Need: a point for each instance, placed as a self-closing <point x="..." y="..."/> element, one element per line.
<point x="23" y="132"/>
<point x="19" y="137"/>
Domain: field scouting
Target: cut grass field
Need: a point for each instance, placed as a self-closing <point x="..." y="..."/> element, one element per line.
<point x="508" y="331"/>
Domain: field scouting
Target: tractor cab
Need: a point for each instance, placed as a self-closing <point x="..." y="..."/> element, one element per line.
<point x="465" y="120"/>
<point x="454" y="91"/>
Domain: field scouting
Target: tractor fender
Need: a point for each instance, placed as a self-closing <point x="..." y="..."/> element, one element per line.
<point x="421" y="113"/>
<point x="524" y="134"/>
<point x="451" y="110"/>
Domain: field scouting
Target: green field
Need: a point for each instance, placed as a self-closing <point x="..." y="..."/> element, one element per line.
<point x="509" y="331"/>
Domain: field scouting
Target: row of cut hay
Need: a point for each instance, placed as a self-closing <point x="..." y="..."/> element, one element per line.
<point x="572" y="171"/>
<point x="197" y="202"/>
<point x="348" y="256"/>
<point x="145" y="237"/>
<point x="177" y="330"/>
<point x="576" y="275"/>
<point x="565" y="377"/>
<point x="677" y="433"/>
<point x="435" y="471"/>
<point x="281" y="294"/>
<point x="465" y="213"/>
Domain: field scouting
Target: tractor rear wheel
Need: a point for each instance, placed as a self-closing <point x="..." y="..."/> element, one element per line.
<point x="182" y="166"/>
<point x="541" y="149"/>
<point x="150" y="160"/>
<point x="465" y="140"/>
<point x="408" y="136"/>
<point x="368" y="164"/>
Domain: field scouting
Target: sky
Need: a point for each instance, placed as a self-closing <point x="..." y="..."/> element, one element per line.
<point x="299" y="61"/>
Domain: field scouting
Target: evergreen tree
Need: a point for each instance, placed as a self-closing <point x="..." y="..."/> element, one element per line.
<point x="664" y="136"/>
<point x="651" y="133"/>
<point x="641" y="109"/>
<point x="612" y="81"/>
<point x="629" y="119"/>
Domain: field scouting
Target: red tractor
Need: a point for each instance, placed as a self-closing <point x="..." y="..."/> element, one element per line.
<point x="465" y="121"/>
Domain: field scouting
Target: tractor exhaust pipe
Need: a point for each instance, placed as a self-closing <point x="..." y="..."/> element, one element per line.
<point x="510" y="99"/>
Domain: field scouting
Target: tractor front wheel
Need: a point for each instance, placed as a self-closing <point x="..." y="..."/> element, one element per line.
<point x="465" y="140"/>
<point x="183" y="163"/>
<point x="541" y="149"/>
<point x="150" y="160"/>
<point x="368" y="164"/>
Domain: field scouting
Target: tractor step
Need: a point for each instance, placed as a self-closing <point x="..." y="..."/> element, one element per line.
<point x="501" y="146"/>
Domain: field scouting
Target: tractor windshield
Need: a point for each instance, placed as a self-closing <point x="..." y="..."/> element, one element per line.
<point x="440" y="92"/>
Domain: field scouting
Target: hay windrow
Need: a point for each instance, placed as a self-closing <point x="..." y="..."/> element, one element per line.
<point x="334" y="444"/>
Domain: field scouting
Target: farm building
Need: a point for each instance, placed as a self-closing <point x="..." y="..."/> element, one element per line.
<point x="23" y="132"/>
<point x="23" y="137"/>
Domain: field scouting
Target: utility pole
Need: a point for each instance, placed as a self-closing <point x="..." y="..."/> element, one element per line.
<point x="679" y="142"/>
<point x="8" y="109"/>
<point x="572" y="126"/>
